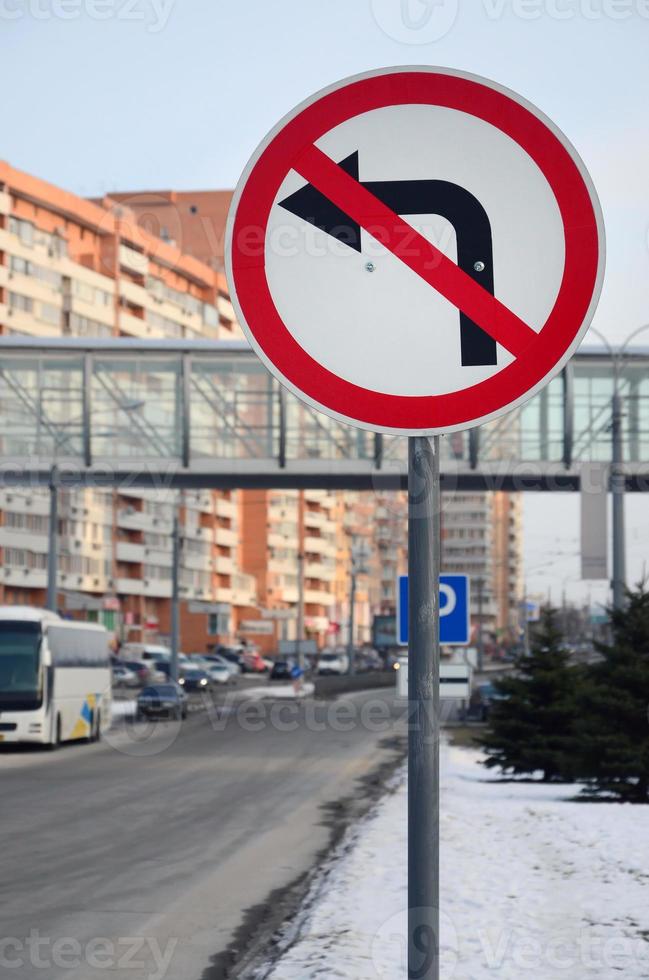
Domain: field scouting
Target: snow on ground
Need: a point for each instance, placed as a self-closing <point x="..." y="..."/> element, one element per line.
<point x="532" y="887"/>
<point x="275" y="691"/>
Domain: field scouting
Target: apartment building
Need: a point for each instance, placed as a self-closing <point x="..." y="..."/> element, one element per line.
<point x="287" y="535"/>
<point x="482" y="538"/>
<point x="71" y="267"/>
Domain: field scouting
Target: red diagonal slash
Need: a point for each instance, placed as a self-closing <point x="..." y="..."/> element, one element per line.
<point x="414" y="250"/>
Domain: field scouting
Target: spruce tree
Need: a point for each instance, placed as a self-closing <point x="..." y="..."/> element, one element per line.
<point x="613" y="724"/>
<point x="531" y="727"/>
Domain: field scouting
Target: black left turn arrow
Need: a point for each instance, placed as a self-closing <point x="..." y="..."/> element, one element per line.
<point x="451" y="201"/>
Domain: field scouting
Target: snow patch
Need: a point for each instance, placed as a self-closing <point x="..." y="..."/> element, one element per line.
<point x="533" y="884"/>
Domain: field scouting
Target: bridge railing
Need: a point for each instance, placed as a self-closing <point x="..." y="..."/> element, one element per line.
<point x="210" y="407"/>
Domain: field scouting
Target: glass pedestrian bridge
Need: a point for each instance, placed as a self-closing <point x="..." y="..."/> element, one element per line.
<point x="208" y="414"/>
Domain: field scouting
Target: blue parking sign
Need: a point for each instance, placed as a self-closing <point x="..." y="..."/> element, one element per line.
<point x="454" y="625"/>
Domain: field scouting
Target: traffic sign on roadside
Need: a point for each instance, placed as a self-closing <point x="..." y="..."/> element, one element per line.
<point x="415" y="250"/>
<point x="454" y="624"/>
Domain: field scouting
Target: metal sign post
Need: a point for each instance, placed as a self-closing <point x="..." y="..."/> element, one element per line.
<point x="423" y="696"/>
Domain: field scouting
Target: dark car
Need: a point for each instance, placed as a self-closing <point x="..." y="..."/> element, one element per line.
<point x="162" y="701"/>
<point x="486" y="696"/>
<point x="164" y="666"/>
<point x="194" y="679"/>
<point x="281" y="670"/>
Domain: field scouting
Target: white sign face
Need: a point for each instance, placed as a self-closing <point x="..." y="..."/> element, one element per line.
<point x="386" y="329"/>
<point x="415" y="250"/>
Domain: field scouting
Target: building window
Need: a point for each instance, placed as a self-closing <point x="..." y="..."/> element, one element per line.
<point x="83" y="326"/>
<point x="49" y="313"/>
<point x="218" y="624"/>
<point x="23" y="229"/>
<point x="18" y="302"/>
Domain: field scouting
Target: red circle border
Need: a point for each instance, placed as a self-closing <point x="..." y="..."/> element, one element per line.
<point x="424" y="412"/>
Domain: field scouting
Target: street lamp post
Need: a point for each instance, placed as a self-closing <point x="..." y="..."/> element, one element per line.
<point x="618" y="480"/>
<point x="359" y="557"/>
<point x="480" y="583"/>
<point x="52" y="547"/>
<point x="175" y="596"/>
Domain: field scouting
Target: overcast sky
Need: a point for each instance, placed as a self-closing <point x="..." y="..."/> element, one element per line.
<point x="135" y="94"/>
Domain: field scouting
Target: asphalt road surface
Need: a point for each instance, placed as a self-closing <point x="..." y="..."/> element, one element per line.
<point x="161" y="852"/>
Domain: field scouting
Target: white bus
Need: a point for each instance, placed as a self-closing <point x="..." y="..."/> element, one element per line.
<point x="55" y="678"/>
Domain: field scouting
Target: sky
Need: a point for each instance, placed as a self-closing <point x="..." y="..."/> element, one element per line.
<point x="146" y="94"/>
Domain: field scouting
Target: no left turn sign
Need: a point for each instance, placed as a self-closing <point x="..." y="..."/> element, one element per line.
<point x="415" y="250"/>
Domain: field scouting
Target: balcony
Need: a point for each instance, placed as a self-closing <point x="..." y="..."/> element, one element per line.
<point x="326" y="573"/>
<point x="198" y="562"/>
<point x="16" y="538"/>
<point x="160" y="558"/>
<point x="157" y="588"/>
<point x="226" y="537"/>
<point x="319" y="546"/>
<point x="25" y="503"/>
<point x="244" y="590"/>
<point x="130" y="552"/>
<point x="223" y="565"/>
<point x="129" y="586"/>
<point x="27" y="323"/>
<point x="140" y="520"/>
<point x="314" y="518"/>
<point x="226" y="508"/>
<point x="137" y="295"/>
<point x="5" y="203"/>
<point x="133" y="325"/>
<point x="32" y="578"/>
<point x="130" y="258"/>
<point x="318" y="597"/>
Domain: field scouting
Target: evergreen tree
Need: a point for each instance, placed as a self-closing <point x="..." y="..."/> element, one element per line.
<point x="613" y="724"/>
<point x="531" y="727"/>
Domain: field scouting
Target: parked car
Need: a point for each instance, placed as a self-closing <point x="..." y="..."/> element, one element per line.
<point x="333" y="663"/>
<point x="194" y="679"/>
<point x="162" y="701"/>
<point x="145" y="651"/>
<point x="253" y="662"/>
<point x="485" y="696"/>
<point x="232" y="655"/>
<point x="281" y="670"/>
<point x="146" y="671"/>
<point x="367" y="660"/>
<point x="123" y="676"/>
<point x="219" y="673"/>
<point x="232" y="666"/>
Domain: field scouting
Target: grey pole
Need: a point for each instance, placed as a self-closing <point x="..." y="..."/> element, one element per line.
<point x="526" y="625"/>
<point x="300" y="609"/>
<point x="423" y="696"/>
<point x="617" y="492"/>
<point x="480" y="637"/>
<point x="53" y="540"/>
<point x="175" y="597"/>
<point x="352" y="603"/>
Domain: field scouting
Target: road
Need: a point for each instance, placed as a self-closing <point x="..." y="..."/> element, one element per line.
<point x="156" y="853"/>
